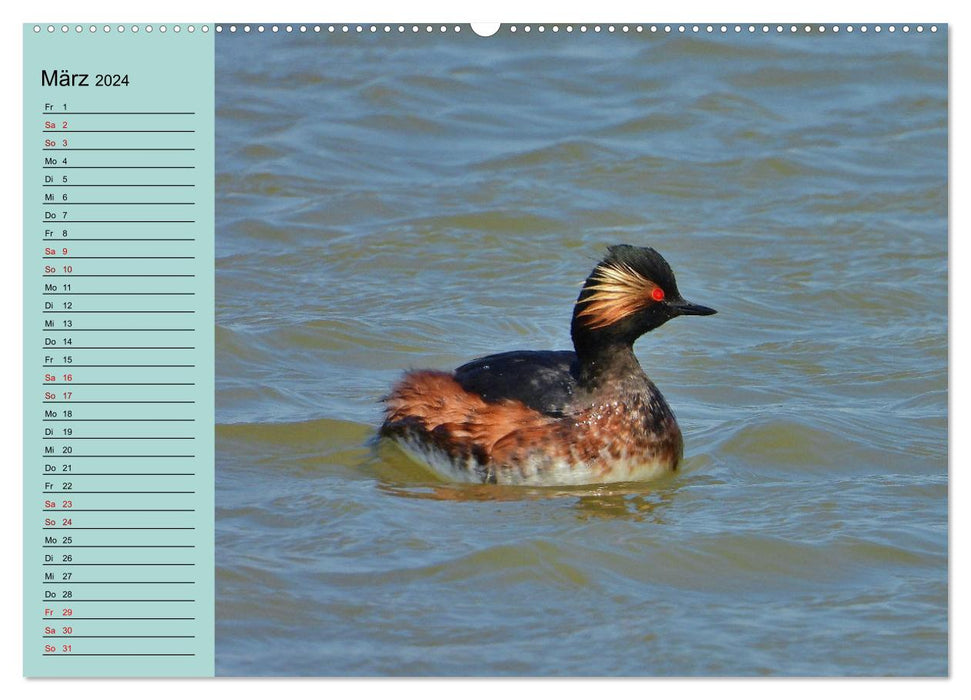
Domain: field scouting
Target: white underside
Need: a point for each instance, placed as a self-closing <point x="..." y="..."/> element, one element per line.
<point x="540" y="471"/>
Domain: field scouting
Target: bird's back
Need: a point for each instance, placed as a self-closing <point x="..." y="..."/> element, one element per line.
<point x="545" y="381"/>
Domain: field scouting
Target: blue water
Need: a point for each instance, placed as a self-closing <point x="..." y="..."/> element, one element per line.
<point x="391" y="201"/>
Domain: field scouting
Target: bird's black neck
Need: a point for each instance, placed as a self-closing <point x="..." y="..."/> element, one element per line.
<point x="607" y="362"/>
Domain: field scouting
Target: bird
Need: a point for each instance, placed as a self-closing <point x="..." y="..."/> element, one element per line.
<point x="555" y="418"/>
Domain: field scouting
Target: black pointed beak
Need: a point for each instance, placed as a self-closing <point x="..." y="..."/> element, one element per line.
<point x="686" y="308"/>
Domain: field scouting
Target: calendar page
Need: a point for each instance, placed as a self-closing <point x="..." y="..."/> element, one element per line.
<point x="514" y="350"/>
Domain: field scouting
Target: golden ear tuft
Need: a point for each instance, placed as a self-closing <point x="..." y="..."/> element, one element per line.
<point x="617" y="291"/>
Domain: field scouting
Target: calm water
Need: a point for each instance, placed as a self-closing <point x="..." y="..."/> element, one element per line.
<point x="390" y="202"/>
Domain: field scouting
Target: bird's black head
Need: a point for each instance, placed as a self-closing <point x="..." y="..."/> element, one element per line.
<point x="630" y="292"/>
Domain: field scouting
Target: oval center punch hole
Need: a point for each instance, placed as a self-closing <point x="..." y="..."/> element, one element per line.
<point x="485" y="28"/>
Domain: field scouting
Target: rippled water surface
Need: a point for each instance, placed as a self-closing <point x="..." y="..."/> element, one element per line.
<point x="394" y="201"/>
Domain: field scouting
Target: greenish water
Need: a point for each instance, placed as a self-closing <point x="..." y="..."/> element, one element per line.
<point x="391" y="202"/>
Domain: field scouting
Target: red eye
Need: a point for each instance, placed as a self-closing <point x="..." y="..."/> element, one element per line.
<point x="657" y="294"/>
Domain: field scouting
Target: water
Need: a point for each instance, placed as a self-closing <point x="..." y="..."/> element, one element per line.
<point x="391" y="202"/>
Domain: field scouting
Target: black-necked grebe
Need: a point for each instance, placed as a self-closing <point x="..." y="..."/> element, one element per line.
<point x="556" y="417"/>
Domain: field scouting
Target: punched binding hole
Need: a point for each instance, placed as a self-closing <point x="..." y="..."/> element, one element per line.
<point x="485" y="28"/>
